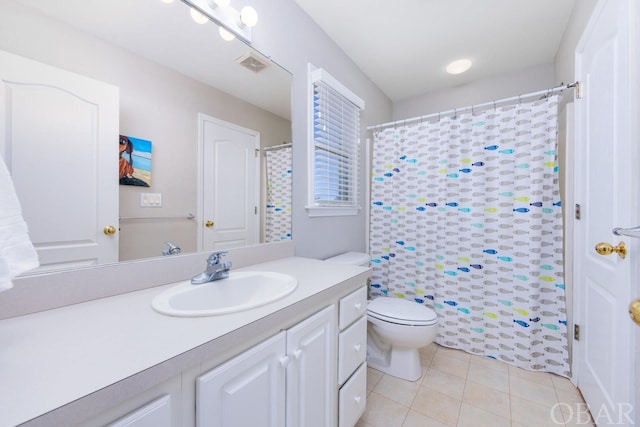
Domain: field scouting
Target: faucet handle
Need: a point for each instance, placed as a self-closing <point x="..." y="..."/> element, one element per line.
<point x="214" y="258"/>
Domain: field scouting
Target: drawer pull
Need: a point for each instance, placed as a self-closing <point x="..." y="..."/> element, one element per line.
<point x="357" y="348"/>
<point x="297" y="354"/>
<point x="358" y="399"/>
<point x="358" y="306"/>
<point x="284" y="361"/>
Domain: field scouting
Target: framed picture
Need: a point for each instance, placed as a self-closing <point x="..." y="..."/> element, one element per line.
<point x="135" y="161"/>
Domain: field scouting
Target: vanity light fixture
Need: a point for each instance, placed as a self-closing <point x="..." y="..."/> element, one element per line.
<point x="198" y="17"/>
<point x="219" y="3"/>
<point x="233" y="23"/>
<point x="167" y="1"/>
<point x="459" y="66"/>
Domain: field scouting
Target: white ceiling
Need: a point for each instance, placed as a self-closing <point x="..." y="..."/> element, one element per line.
<point x="404" y="46"/>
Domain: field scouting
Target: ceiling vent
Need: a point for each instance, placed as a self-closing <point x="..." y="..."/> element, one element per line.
<point x="253" y="61"/>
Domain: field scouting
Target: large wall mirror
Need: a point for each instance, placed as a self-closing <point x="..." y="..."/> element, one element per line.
<point x="180" y="87"/>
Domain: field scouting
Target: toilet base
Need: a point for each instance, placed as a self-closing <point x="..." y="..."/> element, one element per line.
<point x="400" y="363"/>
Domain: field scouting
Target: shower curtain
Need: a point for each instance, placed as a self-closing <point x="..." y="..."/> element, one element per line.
<point x="466" y="219"/>
<point x="278" y="213"/>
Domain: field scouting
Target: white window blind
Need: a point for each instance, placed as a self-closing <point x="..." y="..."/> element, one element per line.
<point x="336" y="134"/>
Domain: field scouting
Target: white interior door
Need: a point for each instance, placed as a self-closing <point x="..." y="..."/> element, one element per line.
<point x="229" y="195"/>
<point x="606" y="190"/>
<point x="59" y="139"/>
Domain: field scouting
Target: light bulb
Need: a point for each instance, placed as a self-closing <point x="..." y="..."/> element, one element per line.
<point x="459" y="66"/>
<point x="198" y="17"/>
<point x="226" y="35"/>
<point x="167" y="1"/>
<point x="249" y="16"/>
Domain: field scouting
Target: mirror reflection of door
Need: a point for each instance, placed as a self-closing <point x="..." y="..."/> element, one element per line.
<point x="230" y="185"/>
<point x="58" y="138"/>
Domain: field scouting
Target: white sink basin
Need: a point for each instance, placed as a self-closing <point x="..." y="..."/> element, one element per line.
<point x="242" y="290"/>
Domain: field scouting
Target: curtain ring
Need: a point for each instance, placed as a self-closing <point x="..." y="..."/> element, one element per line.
<point x="494" y="106"/>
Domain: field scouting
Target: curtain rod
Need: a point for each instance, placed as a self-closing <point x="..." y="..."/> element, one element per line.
<point x="276" y="147"/>
<point x="546" y="92"/>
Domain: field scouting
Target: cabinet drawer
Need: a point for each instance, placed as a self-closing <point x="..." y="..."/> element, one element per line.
<point x="352" y="348"/>
<point x="353" y="398"/>
<point x="352" y="306"/>
<point x="154" y="414"/>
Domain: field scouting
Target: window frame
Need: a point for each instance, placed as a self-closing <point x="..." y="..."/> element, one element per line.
<point x="314" y="207"/>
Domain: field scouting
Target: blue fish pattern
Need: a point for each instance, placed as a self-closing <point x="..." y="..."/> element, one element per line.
<point x="469" y="223"/>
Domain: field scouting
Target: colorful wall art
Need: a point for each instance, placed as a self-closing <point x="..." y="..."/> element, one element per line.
<point x="135" y="161"/>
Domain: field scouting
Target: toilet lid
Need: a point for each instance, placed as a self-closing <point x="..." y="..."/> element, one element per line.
<point x="401" y="311"/>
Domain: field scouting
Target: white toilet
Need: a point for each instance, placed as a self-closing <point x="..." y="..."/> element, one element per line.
<point x="397" y="328"/>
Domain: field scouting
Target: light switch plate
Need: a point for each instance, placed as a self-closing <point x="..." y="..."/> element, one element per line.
<point x="150" y="200"/>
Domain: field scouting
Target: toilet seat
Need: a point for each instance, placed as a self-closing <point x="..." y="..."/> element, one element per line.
<point x="402" y="312"/>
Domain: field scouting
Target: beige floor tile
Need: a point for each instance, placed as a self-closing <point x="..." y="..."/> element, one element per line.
<point x="489" y="363"/>
<point x="456" y="354"/>
<point x="487" y="399"/>
<point x="527" y="413"/>
<point x="493" y="378"/>
<point x="576" y="414"/>
<point x="470" y="416"/>
<point x="361" y="423"/>
<point x="444" y="383"/>
<point x="373" y="377"/>
<point x="426" y="355"/>
<point x="543" y="378"/>
<point x="383" y="412"/>
<point x="450" y="365"/>
<point x="398" y="390"/>
<point x="562" y="383"/>
<point x="436" y="405"/>
<point x="532" y="391"/>
<point x="416" y="419"/>
<point x="570" y="396"/>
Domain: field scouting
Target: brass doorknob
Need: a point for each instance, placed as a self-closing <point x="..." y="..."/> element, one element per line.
<point x="208" y="223"/>
<point x="109" y="230"/>
<point x="607" y="249"/>
<point x="634" y="311"/>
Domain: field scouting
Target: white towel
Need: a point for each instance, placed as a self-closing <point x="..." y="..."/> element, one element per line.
<point x="17" y="253"/>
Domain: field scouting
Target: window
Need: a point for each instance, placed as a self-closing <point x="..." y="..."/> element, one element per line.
<point x="334" y="136"/>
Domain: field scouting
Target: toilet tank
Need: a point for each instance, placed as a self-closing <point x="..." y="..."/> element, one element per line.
<point x="353" y="258"/>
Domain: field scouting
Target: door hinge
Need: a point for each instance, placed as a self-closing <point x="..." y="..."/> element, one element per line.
<point x="257" y="153"/>
<point x="579" y="90"/>
<point x="576" y="332"/>
<point x="578" y="211"/>
<point x="255" y="210"/>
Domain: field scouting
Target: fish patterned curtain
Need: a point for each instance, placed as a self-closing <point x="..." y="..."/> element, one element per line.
<point x="278" y="213"/>
<point x="466" y="219"/>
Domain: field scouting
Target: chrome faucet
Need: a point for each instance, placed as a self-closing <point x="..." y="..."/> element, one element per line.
<point x="214" y="271"/>
<point x="172" y="249"/>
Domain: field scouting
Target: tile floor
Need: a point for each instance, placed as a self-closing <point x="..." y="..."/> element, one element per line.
<point x="460" y="389"/>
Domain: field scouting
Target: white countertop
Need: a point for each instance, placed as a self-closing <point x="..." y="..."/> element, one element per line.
<point x="51" y="358"/>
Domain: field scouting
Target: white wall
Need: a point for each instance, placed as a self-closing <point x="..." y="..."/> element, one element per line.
<point x="292" y="39"/>
<point x="479" y="91"/>
<point x="565" y="57"/>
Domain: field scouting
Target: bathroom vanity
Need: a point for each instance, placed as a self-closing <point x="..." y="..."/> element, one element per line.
<point x="115" y="361"/>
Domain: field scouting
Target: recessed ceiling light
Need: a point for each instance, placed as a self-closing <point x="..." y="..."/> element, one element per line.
<point x="459" y="66"/>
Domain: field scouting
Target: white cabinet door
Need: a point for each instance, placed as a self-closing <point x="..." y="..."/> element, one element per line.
<point x="247" y="391"/>
<point x="311" y="374"/>
<point x="62" y="126"/>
